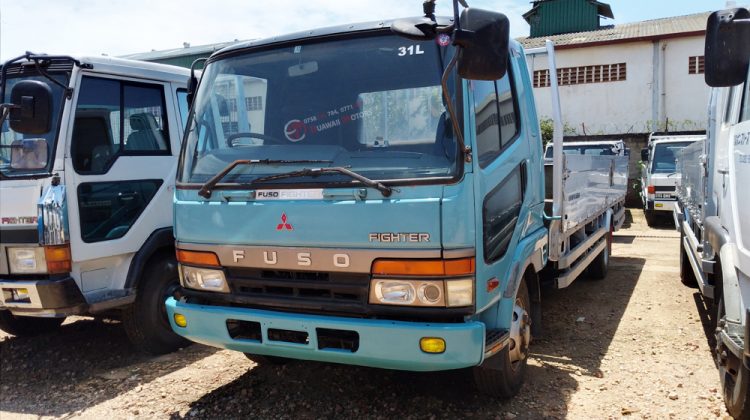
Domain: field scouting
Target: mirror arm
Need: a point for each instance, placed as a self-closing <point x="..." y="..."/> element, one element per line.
<point x="68" y="91"/>
<point x="451" y="111"/>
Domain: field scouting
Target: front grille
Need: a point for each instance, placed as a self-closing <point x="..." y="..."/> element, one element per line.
<point x="301" y="290"/>
<point x="664" y="188"/>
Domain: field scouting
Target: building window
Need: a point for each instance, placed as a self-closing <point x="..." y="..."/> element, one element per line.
<point x="599" y="73"/>
<point x="696" y="65"/>
<point x="254" y="103"/>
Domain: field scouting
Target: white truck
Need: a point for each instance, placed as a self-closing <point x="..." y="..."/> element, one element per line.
<point x="659" y="174"/>
<point x="712" y="210"/>
<point x="88" y="155"/>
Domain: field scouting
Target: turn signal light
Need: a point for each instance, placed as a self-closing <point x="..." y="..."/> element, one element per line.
<point x="180" y="320"/>
<point x="454" y="267"/>
<point x="58" y="258"/>
<point x="651" y="189"/>
<point x="197" y="258"/>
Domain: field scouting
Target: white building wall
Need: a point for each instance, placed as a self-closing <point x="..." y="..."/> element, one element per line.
<point x="686" y="95"/>
<point x="635" y="104"/>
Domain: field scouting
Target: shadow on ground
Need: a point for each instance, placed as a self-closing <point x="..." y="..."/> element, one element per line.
<point x="579" y="325"/>
<point x="80" y="365"/>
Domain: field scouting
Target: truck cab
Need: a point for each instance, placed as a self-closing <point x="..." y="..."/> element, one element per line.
<point x="373" y="194"/>
<point x="659" y="174"/>
<point x="86" y="178"/>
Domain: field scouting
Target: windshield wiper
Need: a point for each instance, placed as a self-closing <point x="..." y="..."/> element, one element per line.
<point x="384" y="189"/>
<point x="207" y="188"/>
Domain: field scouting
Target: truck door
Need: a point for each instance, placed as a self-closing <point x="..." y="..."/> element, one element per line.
<point x="120" y="165"/>
<point x="739" y="161"/>
<point x="501" y="172"/>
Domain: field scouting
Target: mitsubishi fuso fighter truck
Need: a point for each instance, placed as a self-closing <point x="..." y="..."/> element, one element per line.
<point x="88" y="154"/>
<point x="713" y="210"/>
<point x="373" y="194"/>
<point x="660" y="176"/>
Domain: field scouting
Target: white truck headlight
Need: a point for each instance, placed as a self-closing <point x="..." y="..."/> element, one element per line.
<point x="203" y="279"/>
<point x="459" y="292"/>
<point x="407" y="292"/>
<point x="27" y="260"/>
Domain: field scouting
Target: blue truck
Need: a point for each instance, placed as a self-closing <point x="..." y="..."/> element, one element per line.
<point x="374" y="194"/>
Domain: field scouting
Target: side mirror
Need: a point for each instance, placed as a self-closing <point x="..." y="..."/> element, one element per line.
<point x="31" y="112"/>
<point x="727" y="50"/>
<point x="483" y="39"/>
<point x="28" y="154"/>
<point x="644" y="154"/>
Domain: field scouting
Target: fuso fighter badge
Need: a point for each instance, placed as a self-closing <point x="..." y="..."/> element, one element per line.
<point x="294" y="131"/>
<point x="443" y="40"/>
<point x="284" y="224"/>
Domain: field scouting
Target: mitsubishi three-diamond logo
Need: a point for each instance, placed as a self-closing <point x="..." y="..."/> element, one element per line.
<point x="284" y="224"/>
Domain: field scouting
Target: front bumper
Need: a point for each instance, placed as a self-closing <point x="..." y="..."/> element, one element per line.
<point x="381" y="343"/>
<point x="57" y="297"/>
<point x="661" y="205"/>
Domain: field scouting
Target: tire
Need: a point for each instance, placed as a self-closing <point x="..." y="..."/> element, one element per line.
<point x="687" y="275"/>
<point x="28" y="326"/>
<point x="505" y="378"/>
<point x="599" y="267"/>
<point x="265" y="360"/>
<point x="650" y="217"/>
<point x="734" y="376"/>
<point x="145" y="321"/>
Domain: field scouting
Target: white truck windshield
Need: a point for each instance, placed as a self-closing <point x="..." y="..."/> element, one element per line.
<point x="373" y="105"/>
<point x="665" y="157"/>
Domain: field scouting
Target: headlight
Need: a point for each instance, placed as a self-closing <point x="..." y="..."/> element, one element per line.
<point x="27" y="260"/>
<point x="407" y="292"/>
<point x="459" y="292"/>
<point x="203" y="279"/>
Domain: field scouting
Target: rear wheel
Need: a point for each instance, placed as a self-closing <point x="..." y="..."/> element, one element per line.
<point x="146" y="321"/>
<point x="505" y="377"/>
<point x="733" y="373"/>
<point x="599" y="267"/>
<point x="687" y="275"/>
<point x="27" y="326"/>
<point x="650" y="217"/>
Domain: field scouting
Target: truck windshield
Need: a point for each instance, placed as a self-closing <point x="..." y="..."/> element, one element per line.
<point x="370" y="104"/>
<point x="665" y="157"/>
<point x="593" y="150"/>
<point x="30" y="154"/>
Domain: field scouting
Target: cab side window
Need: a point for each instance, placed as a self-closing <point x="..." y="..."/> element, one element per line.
<point x="496" y="117"/>
<point x="115" y="118"/>
<point x="745" y="107"/>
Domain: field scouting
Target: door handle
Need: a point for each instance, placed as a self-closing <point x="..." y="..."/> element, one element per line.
<point x="127" y="196"/>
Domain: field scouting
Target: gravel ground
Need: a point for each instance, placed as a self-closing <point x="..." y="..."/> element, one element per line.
<point x="633" y="345"/>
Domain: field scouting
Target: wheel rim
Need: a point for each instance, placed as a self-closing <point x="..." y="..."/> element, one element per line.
<point x="520" y="334"/>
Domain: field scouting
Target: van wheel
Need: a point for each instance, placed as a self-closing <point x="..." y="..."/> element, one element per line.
<point x="264" y="360"/>
<point x="28" y="326"/>
<point x="687" y="276"/>
<point x="146" y="321"/>
<point x="506" y="375"/>
<point x="733" y="373"/>
<point x="599" y="267"/>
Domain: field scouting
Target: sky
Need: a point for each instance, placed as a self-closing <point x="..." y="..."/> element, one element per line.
<point x="120" y="27"/>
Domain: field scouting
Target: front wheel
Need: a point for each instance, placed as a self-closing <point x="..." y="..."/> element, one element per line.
<point x="733" y="373"/>
<point x="504" y="378"/>
<point x="27" y="326"/>
<point x="146" y="321"/>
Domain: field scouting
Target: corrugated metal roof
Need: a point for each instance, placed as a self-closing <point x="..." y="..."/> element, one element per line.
<point x="648" y="29"/>
<point x="180" y="52"/>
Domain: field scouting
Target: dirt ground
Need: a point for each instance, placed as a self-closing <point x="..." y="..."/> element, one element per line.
<point x="633" y="345"/>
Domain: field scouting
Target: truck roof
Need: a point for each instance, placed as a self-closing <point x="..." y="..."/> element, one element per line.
<point x="675" y="138"/>
<point x="144" y="69"/>
<point x="330" y="31"/>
